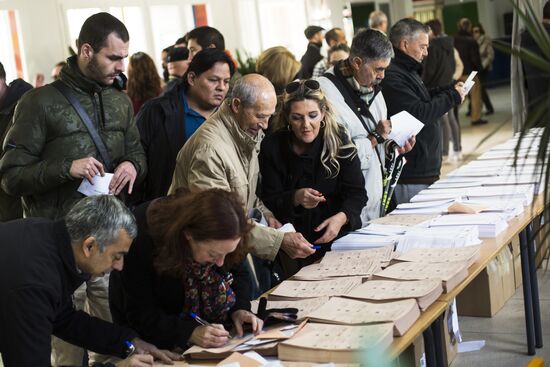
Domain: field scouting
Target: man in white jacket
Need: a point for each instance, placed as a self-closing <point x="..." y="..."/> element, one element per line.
<point x="352" y="87"/>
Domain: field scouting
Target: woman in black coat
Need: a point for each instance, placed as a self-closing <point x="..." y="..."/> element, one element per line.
<point x="178" y="266"/>
<point x="311" y="175"/>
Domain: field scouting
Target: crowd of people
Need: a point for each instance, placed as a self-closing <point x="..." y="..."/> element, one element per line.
<point x="207" y="165"/>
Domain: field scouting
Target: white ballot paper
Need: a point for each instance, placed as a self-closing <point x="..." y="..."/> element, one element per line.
<point x="100" y="186"/>
<point x="469" y="83"/>
<point x="403" y="127"/>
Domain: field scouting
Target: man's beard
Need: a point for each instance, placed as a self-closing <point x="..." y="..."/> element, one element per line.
<point x="94" y="71"/>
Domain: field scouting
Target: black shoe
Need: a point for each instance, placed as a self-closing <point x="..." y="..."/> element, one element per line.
<point x="479" y="122"/>
<point x="489" y="112"/>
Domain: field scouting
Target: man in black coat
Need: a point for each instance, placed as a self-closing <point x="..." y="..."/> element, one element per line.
<point x="10" y="206"/>
<point x="41" y="264"/>
<point x="166" y="122"/>
<point x="404" y="90"/>
<point x="537" y="80"/>
<point x="468" y="49"/>
<point x="312" y="56"/>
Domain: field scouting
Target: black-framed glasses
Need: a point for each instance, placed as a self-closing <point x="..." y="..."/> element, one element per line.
<point x="310" y="84"/>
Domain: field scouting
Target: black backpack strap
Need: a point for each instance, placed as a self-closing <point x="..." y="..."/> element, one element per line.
<point x="94" y="134"/>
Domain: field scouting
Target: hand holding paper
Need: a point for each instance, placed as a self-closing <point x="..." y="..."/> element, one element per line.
<point x="98" y="186"/>
<point x="469" y="83"/>
<point x="404" y="126"/>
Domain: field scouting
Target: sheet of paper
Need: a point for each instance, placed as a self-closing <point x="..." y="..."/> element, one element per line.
<point x="469" y="83"/>
<point x="355" y="266"/>
<point x="379" y="290"/>
<point x="441" y="255"/>
<point x="403" y="127"/>
<point x="417" y="271"/>
<point x="287" y="227"/>
<point x="379" y="255"/>
<point x="100" y="185"/>
<point x="313" y="289"/>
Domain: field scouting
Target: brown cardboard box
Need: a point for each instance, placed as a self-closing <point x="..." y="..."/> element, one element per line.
<point x="490" y="290"/>
<point x="413" y="356"/>
<point x="451" y="341"/>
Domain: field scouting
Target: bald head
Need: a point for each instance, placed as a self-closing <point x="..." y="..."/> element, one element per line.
<point x="253" y="102"/>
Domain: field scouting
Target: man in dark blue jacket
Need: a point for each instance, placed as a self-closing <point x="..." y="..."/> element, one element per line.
<point x="42" y="262"/>
<point x="404" y="90"/>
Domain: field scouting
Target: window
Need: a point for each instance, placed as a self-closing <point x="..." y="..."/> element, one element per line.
<point x="75" y="19"/>
<point x="167" y="28"/>
<point x="132" y="18"/>
<point x="11" y="48"/>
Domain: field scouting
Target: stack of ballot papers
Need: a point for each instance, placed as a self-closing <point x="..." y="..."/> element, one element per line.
<point x="348" y="311"/>
<point x="304" y="306"/>
<point x="451" y="274"/>
<point x="447" y="237"/>
<point x="423" y="207"/>
<point x="337" y="343"/>
<point x="357" y="266"/>
<point x="468" y="255"/>
<point x="488" y="224"/>
<point x="411" y="220"/>
<point x="506" y="192"/>
<point x="296" y="289"/>
<point x="425" y="291"/>
<point x="381" y="255"/>
<point x="359" y="241"/>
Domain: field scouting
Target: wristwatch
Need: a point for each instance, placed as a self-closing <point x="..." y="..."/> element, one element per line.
<point x="378" y="137"/>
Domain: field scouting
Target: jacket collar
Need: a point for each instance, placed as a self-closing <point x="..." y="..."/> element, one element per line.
<point x="406" y="62"/>
<point x="74" y="277"/>
<point x="72" y="75"/>
<point x="242" y="140"/>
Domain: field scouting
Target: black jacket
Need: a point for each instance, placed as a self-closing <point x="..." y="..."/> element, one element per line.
<point x="151" y="303"/>
<point x="38" y="275"/>
<point x="404" y="90"/>
<point x="536" y="80"/>
<point x="468" y="49"/>
<point x="439" y="65"/>
<point x="161" y="124"/>
<point x="310" y="58"/>
<point x="283" y="172"/>
<point x="10" y="206"/>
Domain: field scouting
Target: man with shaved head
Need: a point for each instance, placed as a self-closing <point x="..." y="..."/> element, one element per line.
<point x="222" y="154"/>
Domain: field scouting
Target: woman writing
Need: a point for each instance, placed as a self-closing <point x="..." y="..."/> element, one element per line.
<point x="311" y="176"/>
<point x="178" y="266"/>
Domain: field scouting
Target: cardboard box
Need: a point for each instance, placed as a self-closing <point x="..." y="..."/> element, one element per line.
<point x="490" y="290"/>
<point x="451" y="340"/>
<point x="413" y="356"/>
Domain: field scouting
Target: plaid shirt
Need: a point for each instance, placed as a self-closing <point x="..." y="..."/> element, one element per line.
<point x="366" y="93"/>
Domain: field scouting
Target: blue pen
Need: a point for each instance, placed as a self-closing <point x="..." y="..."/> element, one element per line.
<point x="316" y="247"/>
<point x="130" y="348"/>
<point x="199" y="319"/>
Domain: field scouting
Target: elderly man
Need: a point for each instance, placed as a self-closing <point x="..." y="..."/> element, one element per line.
<point x="50" y="149"/>
<point x="352" y="86"/>
<point x="42" y="262"/>
<point x="167" y="122"/>
<point x="404" y="90"/>
<point x="378" y="20"/>
<point x="222" y="154"/>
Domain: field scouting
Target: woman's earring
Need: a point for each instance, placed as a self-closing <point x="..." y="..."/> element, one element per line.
<point x="323" y="124"/>
<point x="288" y="127"/>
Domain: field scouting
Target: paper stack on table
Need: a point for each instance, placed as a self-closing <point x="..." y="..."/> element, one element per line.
<point x="304" y="306"/>
<point x="451" y="274"/>
<point x="489" y="224"/>
<point x="356" y="266"/>
<point x="425" y="291"/>
<point x="348" y="311"/>
<point x="447" y="237"/>
<point x="382" y="256"/>
<point x="337" y="343"/>
<point x="296" y="289"/>
<point x="468" y="255"/>
<point x="360" y="241"/>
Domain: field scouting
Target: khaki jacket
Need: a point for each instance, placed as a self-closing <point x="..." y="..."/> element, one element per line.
<point x="221" y="155"/>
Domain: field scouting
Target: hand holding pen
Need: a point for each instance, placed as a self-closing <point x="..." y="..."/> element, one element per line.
<point x="208" y="335"/>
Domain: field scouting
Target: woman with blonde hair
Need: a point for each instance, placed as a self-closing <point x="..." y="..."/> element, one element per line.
<point x="278" y="65"/>
<point x="311" y="175"/>
<point x="143" y="80"/>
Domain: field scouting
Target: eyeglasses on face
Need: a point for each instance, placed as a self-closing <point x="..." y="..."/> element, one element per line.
<point x="310" y="84"/>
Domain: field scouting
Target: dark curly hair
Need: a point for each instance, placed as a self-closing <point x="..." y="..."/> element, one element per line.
<point x="143" y="79"/>
<point x="213" y="214"/>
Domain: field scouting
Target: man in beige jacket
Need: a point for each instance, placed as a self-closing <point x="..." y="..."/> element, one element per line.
<point x="223" y="154"/>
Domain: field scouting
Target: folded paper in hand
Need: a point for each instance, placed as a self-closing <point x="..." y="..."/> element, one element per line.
<point x="469" y="83"/>
<point x="403" y="127"/>
<point x="100" y="185"/>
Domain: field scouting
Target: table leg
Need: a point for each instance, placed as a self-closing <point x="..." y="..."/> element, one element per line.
<point x="534" y="285"/>
<point x="527" y="298"/>
<point x="439" y="341"/>
<point x="429" y="347"/>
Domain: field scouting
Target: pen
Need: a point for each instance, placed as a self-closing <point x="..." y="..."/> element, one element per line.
<point x="199" y="319"/>
<point x="130" y="348"/>
<point x="316" y="247"/>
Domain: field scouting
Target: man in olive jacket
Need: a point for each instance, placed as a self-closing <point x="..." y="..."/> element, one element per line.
<point x="49" y="151"/>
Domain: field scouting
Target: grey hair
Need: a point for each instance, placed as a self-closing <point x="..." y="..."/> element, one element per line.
<point x="246" y="92"/>
<point x="371" y="45"/>
<point x="376" y="18"/>
<point x="406" y="28"/>
<point x="101" y="217"/>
